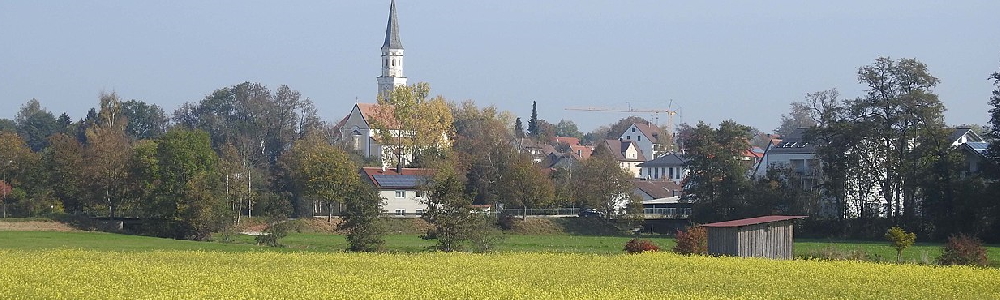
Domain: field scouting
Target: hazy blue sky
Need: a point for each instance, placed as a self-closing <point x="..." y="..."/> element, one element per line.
<point x="741" y="60"/>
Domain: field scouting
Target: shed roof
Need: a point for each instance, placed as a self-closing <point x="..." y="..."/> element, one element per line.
<point x="752" y="221"/>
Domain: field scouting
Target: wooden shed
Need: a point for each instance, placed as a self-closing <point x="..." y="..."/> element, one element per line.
<point x="767" y="236"/>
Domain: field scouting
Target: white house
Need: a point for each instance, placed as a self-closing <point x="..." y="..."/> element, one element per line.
<point x="668" y="167"/>
<point x="645" y="136"/>
<point x="628" y="154"/>
<point x="399" y="188"/>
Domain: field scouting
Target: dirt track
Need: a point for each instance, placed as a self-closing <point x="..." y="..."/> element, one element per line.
<point x="34" y="226"/>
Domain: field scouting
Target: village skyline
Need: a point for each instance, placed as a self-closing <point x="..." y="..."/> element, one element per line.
<point x="744" y="62"/>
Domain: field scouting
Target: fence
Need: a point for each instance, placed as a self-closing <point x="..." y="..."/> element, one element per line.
<point x="667" y="213"/>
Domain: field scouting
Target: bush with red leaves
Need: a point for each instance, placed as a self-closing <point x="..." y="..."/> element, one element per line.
<point x="694" y="240"/>
<point x="639" y="246"/>
<point x="963" y="250"/>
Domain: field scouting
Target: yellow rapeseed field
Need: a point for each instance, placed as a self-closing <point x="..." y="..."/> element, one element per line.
<point x="80" y="274"/>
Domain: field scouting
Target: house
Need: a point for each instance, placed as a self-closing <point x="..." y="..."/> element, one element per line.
<point x="662" y="199"/>
<point x="768" y="236"/>
<point x="645" y="136"/>
<point x="399" y="188"/>
<point x="668" y="167"/>
<point x="628" y="154"/>
<point x="355" y="129"/>
<point x="567" y="140"/>
<point x="975" y="156"/>
<point x="792" y="151"/>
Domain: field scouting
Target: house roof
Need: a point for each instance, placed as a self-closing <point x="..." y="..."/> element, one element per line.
<point x="657" y="189"/>
<point x="618" y="148"/>
<point x="957" y="135"/>
<point x="580" y="151"/>
<point x="652" y="132"/>
<point x="568" y="140"/>
<point x="752" y="221"/>
<point x="978" y="147"/>
<point x="793" y="143"/>
<point x="389" y="178"/>
<point x="669" y="160"/>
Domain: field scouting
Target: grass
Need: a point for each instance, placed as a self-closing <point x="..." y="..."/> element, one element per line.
<point x="324" y="242"/>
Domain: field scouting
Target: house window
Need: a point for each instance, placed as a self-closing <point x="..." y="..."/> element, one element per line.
<point x="420" y="212"/>
<point x="671" y="170"/>
<point x="628" y="137"/>
<point x="400" y="212"/>
<point x="633" y="129"/>
<point x="400" y="194"/>
<point x="638" y="138"/>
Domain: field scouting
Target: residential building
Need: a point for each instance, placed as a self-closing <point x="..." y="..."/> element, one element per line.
<point x="399" y="188"/>
<point x="662" y="199"/>
<point x="645" y="136"/>
<point x="668" y="167"/>
<point x="628" y="154"/>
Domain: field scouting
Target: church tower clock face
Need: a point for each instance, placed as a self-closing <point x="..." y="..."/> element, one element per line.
<point x="392" y="55"/>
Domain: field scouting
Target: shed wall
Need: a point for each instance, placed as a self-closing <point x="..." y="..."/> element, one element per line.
<point x="771" y="240"/>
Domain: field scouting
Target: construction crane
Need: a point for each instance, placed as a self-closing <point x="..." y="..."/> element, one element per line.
<point x="656" y="113"/>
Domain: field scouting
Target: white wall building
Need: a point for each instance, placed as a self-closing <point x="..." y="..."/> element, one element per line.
<point x="400" y="191"/>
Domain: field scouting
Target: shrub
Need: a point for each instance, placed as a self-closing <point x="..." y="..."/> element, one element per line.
<point x="694" y="240"/>
<point x="273" y="234"/>
<point x="639" y="246"/>
<point x="963" y="250"/>
<point x="900" y="239"/>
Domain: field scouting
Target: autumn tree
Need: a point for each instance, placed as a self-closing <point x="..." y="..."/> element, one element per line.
<point x="717" y="175"/>
<point x="16" y="165"/>
<point x="64" y="163"/>
<point x="601" y="183"/>
<point x="322" y="172"/>
<point x="107" y="152"/>
<point x="449" y="210"/>
<point x="409" y="123"/>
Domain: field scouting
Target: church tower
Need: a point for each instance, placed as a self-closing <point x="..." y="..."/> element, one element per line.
<point x="392" y="55"/>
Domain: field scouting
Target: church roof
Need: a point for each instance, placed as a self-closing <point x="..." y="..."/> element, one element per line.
<point x="392" y="29"/>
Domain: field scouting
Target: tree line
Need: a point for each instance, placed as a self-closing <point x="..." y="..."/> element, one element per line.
<point x="884" y="158"/>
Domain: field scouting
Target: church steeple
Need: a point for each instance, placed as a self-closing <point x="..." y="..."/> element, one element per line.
<point x="392" y="55"/>
<point x="392" y="29"/>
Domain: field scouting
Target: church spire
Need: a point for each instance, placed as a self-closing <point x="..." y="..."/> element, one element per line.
<point x="392" y="29"/>
<point x="392" y="55"/>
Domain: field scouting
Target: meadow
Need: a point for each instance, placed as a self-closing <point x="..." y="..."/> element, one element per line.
<point x="186" y="274"/>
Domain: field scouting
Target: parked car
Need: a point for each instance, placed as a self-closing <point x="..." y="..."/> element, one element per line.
<point x="591" y="213"/>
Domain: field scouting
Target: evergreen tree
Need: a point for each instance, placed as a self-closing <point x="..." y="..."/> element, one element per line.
<point x="518" y="128"/>
<point x="993" y="151"/>
<point x="533" y="122"/>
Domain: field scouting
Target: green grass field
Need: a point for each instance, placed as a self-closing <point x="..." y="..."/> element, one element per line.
<point x="320" y="242"/>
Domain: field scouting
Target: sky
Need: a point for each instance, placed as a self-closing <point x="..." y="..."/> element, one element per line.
<point x="708" y="60"/>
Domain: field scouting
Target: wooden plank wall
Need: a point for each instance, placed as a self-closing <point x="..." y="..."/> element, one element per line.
<point x="771" y="240"/>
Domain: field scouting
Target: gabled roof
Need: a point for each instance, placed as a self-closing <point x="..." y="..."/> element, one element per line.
<point x="618" y="148"/>
<point x="392" y="29"/>
<point x="977" y="147"/>
<point x="962" y="135"/>
<point x="581" y="152"/>
<point x="658" y="189"/>
<point x="793" y="143"/>
<point x="651" y="132"/>
<point x="408" y="178"/>
<point x="752" y="221"/>
<point x="669" y="160"/>
<point x="568" y="140"/>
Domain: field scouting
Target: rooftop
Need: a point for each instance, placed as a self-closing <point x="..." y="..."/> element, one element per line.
<point x="752" y="221"/>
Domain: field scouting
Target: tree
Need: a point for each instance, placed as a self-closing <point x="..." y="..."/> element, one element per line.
<point x="568" y="128"/>
<point x="533" y="121"/>
<point x="808" y="113"/>
<point x="107" y="152"/>
<point x="361" y="219"/>
<point x="64" y="162"/>
<point x="145" y="121"/>
<point x="900" y="239"/>
<point x="190" y="193"/>
<point x="408" y="122"/>
<point x="716" y="178"/>
<point x="993" y="133"/>
<point x="449" y="210"/>
<point x="322" y="172"/>
<point x="602" y="184"/>
<point x="899" y="107"/>
<point x="16" y="163"/>
<point x="35" y="124"/>
<point x="5" y="190"/>
<point x="518" y="128"/>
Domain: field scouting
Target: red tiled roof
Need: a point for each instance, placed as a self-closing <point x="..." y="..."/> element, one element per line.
<point x="581" y="152"/>
<point x="752" y="221"/>
<point x="569" y="140"/>
<point x="651" y="132"/>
